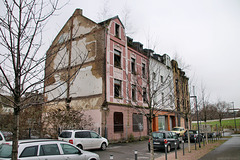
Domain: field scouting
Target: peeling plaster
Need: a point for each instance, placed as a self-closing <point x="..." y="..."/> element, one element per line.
<point x="86" y="84"/>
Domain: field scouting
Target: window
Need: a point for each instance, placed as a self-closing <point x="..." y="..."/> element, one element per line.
<point x="117" y="30"/>
<point x="154" y="76"/>
<point x="117" y="58"/>
<point x="117" y="88"/>
<point x="143" y="70"/>
<point x="161" y="79"/>
<point x="118" y="122"/>
<point x="144" y="95"/>
<point x="66" y="135"/>
<point x="162" y="98"/>
<point x="68" y="149"/>
<point x="82" y="135"/>
<point x="133" y="92"/>
<point x="137" y="122"/>
<point x="133" y="65"/>
<point x="94" y="135"/>
<point x="49" y="149"/>
<point x="29" y="151"/>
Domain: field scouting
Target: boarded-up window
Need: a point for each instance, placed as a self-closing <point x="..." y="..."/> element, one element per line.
<point x="137" y="122"/>
<point x="118" y="122"/>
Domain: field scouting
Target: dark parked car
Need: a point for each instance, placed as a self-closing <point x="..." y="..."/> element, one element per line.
<point x="160" y="138"/>
<point x="193" y="136"/>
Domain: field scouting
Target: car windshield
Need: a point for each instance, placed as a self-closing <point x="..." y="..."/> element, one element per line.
<point x="158" y="135"/>
<point x="5" y="151"/>
<point x="176" y="129"/>
<point x="65" y="135"/>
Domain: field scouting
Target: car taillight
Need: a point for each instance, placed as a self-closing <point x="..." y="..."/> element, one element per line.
<point x="71" y="141"/>
<point x="165" y="141"/>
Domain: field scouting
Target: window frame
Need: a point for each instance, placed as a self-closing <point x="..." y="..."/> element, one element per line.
<point x="35" y="152"/>
<point x="119" y="85"/>
<point x="117" y="58"/>
<point x="137" y="120"/>
<point x="144" y="93"/>
<point x="118" y="122"/>
<point x="117" y="30"/>
<point x="143" y="70"/>
<point x="133" y="65"/>
<point x="134" y="93"/>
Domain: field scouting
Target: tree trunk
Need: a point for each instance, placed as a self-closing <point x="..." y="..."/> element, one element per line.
<point x="15" y="134"/>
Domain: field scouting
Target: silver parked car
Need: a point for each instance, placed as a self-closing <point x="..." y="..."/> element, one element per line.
<point x="84" y="139"/>
<point x="39" y="149"/>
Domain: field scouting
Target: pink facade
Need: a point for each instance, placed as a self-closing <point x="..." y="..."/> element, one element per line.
<point x="121" y="104"/>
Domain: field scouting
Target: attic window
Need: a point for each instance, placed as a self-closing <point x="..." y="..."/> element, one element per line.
<point x="117" y="30"/>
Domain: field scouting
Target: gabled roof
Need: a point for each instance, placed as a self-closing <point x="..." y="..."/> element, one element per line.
<point x="109" y="20"/>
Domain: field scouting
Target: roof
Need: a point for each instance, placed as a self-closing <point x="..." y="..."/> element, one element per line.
<point x="110" y="19"/>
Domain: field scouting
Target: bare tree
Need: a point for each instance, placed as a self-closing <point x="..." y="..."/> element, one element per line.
<point x="152" y="89"/>
<point x="104" y="11"/>
<point x="22" y="66"/>
<point x="222" y="109"/>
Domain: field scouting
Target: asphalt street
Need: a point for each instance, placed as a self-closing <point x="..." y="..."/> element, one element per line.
<point x="230" y="150"/>
<point x="125" y="151"/>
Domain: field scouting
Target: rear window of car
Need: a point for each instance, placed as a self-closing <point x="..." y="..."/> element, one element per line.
<point x="5" y="151"/>
<point x="158" y="135"/>
<point x="83" y="134"/>
<point x="176" y="129"/>
<point x="66" y="134"/>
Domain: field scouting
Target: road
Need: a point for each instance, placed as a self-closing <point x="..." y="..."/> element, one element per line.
<point x="125" y="151"/>
<point x="229" y="150"/>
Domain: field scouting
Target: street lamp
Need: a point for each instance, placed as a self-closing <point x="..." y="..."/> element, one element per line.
<point x="195" y="97"/>
<point x="234" y="117"/>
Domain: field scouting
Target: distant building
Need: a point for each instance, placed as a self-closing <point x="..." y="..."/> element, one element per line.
<point x="182" y="96"/>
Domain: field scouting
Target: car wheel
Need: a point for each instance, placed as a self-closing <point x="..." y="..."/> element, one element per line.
<point x="103" y="146"/>
<point x="168" y="148"/>
<point x="80" y="146"/>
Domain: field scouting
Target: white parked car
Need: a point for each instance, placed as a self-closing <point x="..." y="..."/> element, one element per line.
<point x="84" y="139"/>
<point x="2" y="139"/>
<point x="39" y="149"/>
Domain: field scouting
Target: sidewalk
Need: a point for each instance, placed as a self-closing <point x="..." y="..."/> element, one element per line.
<point x="195" y="154"/>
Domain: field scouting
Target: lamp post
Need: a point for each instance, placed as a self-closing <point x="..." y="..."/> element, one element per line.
<point x="195" y="97"/>
<point x="234" y="117"/>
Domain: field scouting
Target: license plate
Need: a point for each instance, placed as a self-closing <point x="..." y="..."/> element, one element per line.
<point x="156" y="142"/>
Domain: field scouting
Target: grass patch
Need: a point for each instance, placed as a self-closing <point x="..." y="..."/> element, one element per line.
<point x="226" y="124"/>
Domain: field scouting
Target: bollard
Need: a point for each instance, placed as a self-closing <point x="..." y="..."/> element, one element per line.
<point x="165" y="151"/>
<point x="111" y="156"/>
<point x="195" y="144"/>
<point x="183" y="146"/>
<point x="175" y="150"/>
<point x="203" y="141"/>
<point x="135" y="152"/>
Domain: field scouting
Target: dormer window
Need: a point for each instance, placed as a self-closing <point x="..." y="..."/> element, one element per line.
<point x="117" y="30"/>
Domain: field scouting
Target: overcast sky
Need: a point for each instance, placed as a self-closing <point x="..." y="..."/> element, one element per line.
<point x="205" y="34"/>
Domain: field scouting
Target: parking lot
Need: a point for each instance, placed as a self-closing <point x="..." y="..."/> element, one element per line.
<point x="125" y="151"/>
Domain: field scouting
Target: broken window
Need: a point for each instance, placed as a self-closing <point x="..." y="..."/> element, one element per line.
<point x="117" y="88"/>
<point x="134" y="92"/>
<point x="117" y="30"/>
<point x="137" y="122"/>
<point x="118" y="122"/>
<point x="144" y="95"/>
<point x="133" y="65"/>
<point x="117" y="58"/>
<point x="143" y="70"/>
